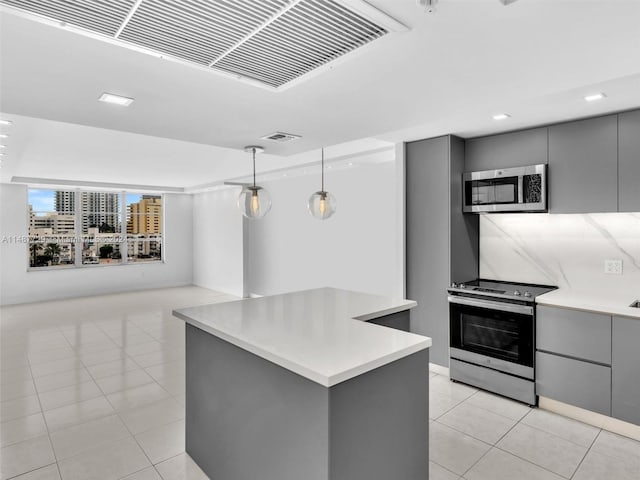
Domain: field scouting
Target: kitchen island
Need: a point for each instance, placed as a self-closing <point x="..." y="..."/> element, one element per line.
<point x="306" y="385"/>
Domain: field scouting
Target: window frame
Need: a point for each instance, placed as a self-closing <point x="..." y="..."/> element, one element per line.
<point x="79" y="236"/>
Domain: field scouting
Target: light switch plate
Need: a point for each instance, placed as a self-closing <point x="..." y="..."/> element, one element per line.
<point x="613" y="267"/>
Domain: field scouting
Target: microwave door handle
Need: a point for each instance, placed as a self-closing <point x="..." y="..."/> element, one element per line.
<point x="503" y="307"/>
<point x="520" y="192"/>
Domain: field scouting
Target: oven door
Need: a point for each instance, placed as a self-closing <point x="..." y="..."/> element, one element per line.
<point x="496" y="335"/>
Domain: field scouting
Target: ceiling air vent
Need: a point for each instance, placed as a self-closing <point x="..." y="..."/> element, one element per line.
<point x="271" y="42"/>
<point x="281" y="137"/>
<point x="95" y="15"/>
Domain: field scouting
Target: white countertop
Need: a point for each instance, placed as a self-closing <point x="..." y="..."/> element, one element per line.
<point x="609" y="302"/>
<point x="318" y="334"/>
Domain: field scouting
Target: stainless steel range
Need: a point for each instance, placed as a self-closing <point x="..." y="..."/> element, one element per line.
<point x="492" y="336"/>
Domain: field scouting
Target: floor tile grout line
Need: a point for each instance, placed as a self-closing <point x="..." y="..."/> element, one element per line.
<point x="561" y="437"/>
<point x="33" y="470"/>
<point x="587" y="452"/>
<point x="510" y="429"/>
<point x="146" y="405"/>
<point x="44" y="418"/>
<point x="486" y="410"/>
<point x="466" y="433"/>
<point x="445" y="468"/>
<point x="140" y="446"/>
<point x="502" y="398"/>
<point x="510" y="453"/>
<point x="478" y="461"/>
<point x="529" y="461"/>
<point x="59" y="471"/>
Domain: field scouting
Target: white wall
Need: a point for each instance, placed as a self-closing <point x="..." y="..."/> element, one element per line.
<point x="359" y="248"/>
<point x="218" y="245"/>
<point x="564" y="250"/>
<point x="17" y="285"/>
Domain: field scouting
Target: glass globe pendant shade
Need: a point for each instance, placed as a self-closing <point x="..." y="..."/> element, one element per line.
<point x="322" y="205"/>
<point x="254" y="202"/>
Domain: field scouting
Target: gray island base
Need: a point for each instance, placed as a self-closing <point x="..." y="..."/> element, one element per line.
<point x="250" y="418"/>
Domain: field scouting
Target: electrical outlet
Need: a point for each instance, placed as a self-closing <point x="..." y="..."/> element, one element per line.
<point x="613" y="267"/>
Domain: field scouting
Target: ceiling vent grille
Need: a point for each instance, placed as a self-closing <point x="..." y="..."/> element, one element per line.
<point x="102" y="16"/>
<point x="281" y="137"/>
<point x="195" y="31"/>
<point x="272" y="42"/>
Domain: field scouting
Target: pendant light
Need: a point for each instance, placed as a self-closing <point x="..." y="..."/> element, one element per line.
<point x="322" y="204"/>
<point x="254" y="201"/>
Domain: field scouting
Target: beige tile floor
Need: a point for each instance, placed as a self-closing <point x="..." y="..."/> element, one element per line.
<point x="93" y="388"/>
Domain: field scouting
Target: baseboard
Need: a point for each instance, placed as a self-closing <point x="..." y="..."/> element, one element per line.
<point x="439" y="369"/>
<point x="591" y="418"/>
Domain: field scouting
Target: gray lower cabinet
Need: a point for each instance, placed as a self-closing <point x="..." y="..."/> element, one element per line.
<point x="573" y="357"/>
<point x="625" y="391"/>
<point x="515" y="149"/>
<point x="583" y="384"/>
<point x="441" y="241"/>
<point x="629" y="161"/>
<point x="399" y="321"/>
<point x="574" y="333"/>
<point x="583" y="166"/>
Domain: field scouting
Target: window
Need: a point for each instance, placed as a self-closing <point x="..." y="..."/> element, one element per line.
<point x="144" y="227"/>
<point x="70" y="228"/>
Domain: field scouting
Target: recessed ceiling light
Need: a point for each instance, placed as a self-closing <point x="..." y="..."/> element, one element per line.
<point x="116" y="99"/>
<point x="4" y="135"/>
<point x="594" y="97"/>
<point x="5" y="122"/>
<point x="3" y="146"/>
<point x="501" y="116"/>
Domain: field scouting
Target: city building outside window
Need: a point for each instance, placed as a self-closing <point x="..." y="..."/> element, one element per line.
<point x="71" y="228"/>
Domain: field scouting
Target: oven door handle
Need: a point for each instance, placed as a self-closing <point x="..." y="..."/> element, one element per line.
<point x="502" y="306"/>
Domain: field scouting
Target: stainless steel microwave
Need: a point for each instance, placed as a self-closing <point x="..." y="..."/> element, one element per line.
<point x="518" y="189"/>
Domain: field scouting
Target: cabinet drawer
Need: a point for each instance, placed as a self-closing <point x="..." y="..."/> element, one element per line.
<point x="583" y="384"/>
<point x="574" y="333"/>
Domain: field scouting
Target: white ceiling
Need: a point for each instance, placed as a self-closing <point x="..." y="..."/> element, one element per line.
<point x="449" y="73"/>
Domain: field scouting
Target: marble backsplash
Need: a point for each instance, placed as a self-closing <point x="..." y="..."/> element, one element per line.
<point x="564" y="250"/>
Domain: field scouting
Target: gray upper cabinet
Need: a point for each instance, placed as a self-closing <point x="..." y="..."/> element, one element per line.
<point x="625" y="381"/>
<point x="583" y="173"/>
<point x="516" y="149"/>
<point x="629" y="161"/>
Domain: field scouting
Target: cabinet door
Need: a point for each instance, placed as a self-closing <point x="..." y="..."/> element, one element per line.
<point x="583" y="384"/>
<point x="629" y="161"/>
<point x="625" y="369"/>
<point x="427" y="248"/>
<point x="574" y="333"/>
<point x="516" y="149"/>
<point x="583" y="159"/>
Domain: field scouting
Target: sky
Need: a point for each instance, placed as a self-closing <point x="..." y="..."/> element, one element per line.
<point x="43" y="200"/>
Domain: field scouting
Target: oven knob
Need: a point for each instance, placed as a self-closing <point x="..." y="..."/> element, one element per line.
<point x="517" y="293"/>
<point x="462" y="285"/>
<point x="454" y="285"/>
<point x="527" y="294"/>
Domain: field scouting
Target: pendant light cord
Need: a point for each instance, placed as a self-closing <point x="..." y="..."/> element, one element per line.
<point x="254" y="167"/>
<point x="322" y="171"/>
